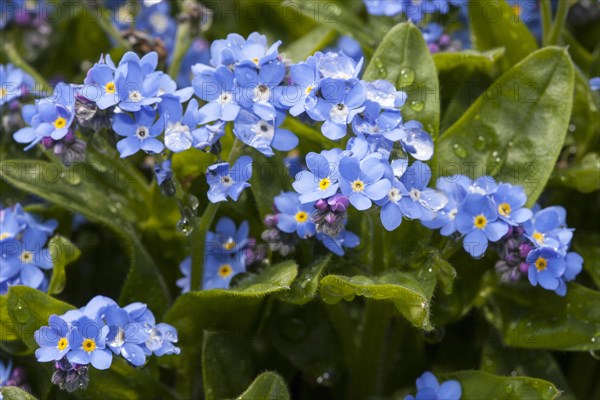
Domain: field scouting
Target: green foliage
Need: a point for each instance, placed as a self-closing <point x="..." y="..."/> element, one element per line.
<point x="267" y="386"/>
<point x="63" y="253"/>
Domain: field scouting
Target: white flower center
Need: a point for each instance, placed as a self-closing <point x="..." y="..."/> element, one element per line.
<point x="264" y="129"/>
<point x="227" y="181"/>
<point x="225" y="98"/>
<point x="394" y="195"/>
<point x="339" y="113"/>
<point x="262" y="94"/>
<point x="119" y="339"/>
<point x="415" y="194"/>
<point x="141" y="132"/>
<point x="135" y="96"/>
<point x="452" y="214"/>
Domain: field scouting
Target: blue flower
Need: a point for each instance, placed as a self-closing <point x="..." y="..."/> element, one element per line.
<point x="155" y="19"/>
<point x="219" y="269"/>
<point x="294" y="216"/>
<point x="478" y="220"/>
<point x="161" y="339"/>
<point x="385" y="7"/>
<point x="49" y="117"/>
<point x="255" y="88"/>
<point x="137" y="84"/>
<point x="510" y="201"/>
<point x="10" y="226"/>
<point x="207" y="136"/>
<point x="305" y="78"/>
<point x="422" y="202"/>
<point x="338" y="65"/>
<point x="350" y="47"/>
<point x="179" y="127"/>
<point x="341" y="101"/>
<point x="320" y="181"/>
<point x="102" y="77"/>
<point x="35" y="230"/>
<point x="336" y="245"/>
<point x="385" y="94"/>
<point x="53" y="340"/>
<point x="374" y="122"/>
<point x="140" y="132"/>
<point x="198" y="53"/>
<point x="22" y="263"/>
<point x="125" y="337"/>
<point x="547" y="228"/>
<point x="546" y="267"/>
<point x="363" y="181"/>
<point x="574" y="266"/>
<point x="595" y="83"/>
<point x="224" y="181"/>
<point x="416" y="141"/>
<point x="227" y="238"/>
<point x="14" y="83"/>
<point x="455" y="189"/>
<point x="217" y="86"/>
<point x="163" y="172"/>
<point x="88" y="344"/>
<point x="263" y="134"/>
<point x="428" y="388"/>
<point x="235" y="49"/>
<point x="185" y="267"/>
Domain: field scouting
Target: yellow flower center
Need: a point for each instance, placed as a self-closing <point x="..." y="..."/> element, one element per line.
<point x="3" y="92"/>
<point x="539" y="237"/>
<point x="109" y="87"/>
<point x="89" y="345"/>
<point x="26" y="257"/>
<point x="541" y="264"/>
<point x="309" y="89"/>
<point x="480" y="222"/>
<point x="229" y="244"/>
<point x="517" y="10"/>
<point x="225" y="270"/>
<point x="60" y="122"/>
<point x="324" y="183"/>
<point x="4" y="235"/>
<point x="504" y="209"/>
<point x="301" y="216"/>
<point x="62" y="343"/>
<point x="358" y="186"/>
<point x="255" y="60"/>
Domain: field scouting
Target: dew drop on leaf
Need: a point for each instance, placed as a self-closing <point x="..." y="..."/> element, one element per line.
<point x="417" y="105"/>
<point x="22" y="313"/>
<point x="184" y="226"/>
<point x="407" y="77"/>
<point x="459" y="150"/>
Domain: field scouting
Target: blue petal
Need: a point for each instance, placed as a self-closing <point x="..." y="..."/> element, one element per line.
<point x="391" y="217"/>
<point x="101" y="359"/>
<point x="475" y="243"/>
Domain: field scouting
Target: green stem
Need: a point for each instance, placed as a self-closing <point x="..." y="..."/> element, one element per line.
<point x="18" y="61"/>
<point x="201" y="226"/>
<point x="110" y="29"/>
<point x="546" y="11"/>
<point x="366" y="374"/>
<point x="559" y="22"/>
<point x="183" y="41"/>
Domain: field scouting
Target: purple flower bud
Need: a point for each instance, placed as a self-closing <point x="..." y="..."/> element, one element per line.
<point x="321" y="205"/>
<point x="338" y="202"/>
<point x="524" y="267"/>
<point x="524" y="249"/>
<point x="270" y="220"/>
<point x="433" y="48"/>
<point x="444" y="40"/>
<point x="47" y="142"/>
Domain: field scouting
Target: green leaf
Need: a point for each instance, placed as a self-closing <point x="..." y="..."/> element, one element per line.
<point x="515" y="130"/>
<point x="531" y="317"/>
<point x="7" y="329"/>
<point x="15" y="393"/>
<point x="308" y="44"/>
<point x="227" y="367"/>
<point x="584" y="176"/>
<point x="95" y="191"/>
<point x="588" y="246"/>
<point x="305" y="286"/>
<point x="30" y="309"/>
<point x="410" y="293"/>
<point x="220" y="309"/>
<point x="468" y="59"/>
<point x="62" y="253"/>
<point x="493" y="24"/>
<point x="267" y="386"/>
<point x="404" y="59"/>
<point x="477" y="385"/>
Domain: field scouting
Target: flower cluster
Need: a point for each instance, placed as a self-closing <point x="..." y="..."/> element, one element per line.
<point x="96" y="332"/>
<point x="23" y="238"/>
<point x="413" y="9"/>
<point x="428" y="388"/>
<point x="483" y="211"/>
<point x="229" y="250"/>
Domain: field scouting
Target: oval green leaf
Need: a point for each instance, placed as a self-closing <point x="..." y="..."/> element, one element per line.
<point x="267" y="386"/>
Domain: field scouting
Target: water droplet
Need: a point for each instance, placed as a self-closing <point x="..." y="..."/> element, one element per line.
<point x="495" y="154"/>
<point x="378" y="62"/>
<point x="22" y="313"/>
<point x="508" y="388"/>
<point x="459" y="151"/>
<point x="417" y="105"/>
<point x="193" y="202"/>
<point x="497" y="159"/>
<point x="510" y="144"/>
<point x="71" y="178"/>
<point x="112" y="208"/>
<point x="407" y="77"/>
<point x="327" y="378"/>
<point x="168" y="188"/>
<point x="184" y="226"/>
<point x="572" y="128"/>
<point x="480" y="143"/>
<point x="513" y="373"/>
<point x="382" y="73"/>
